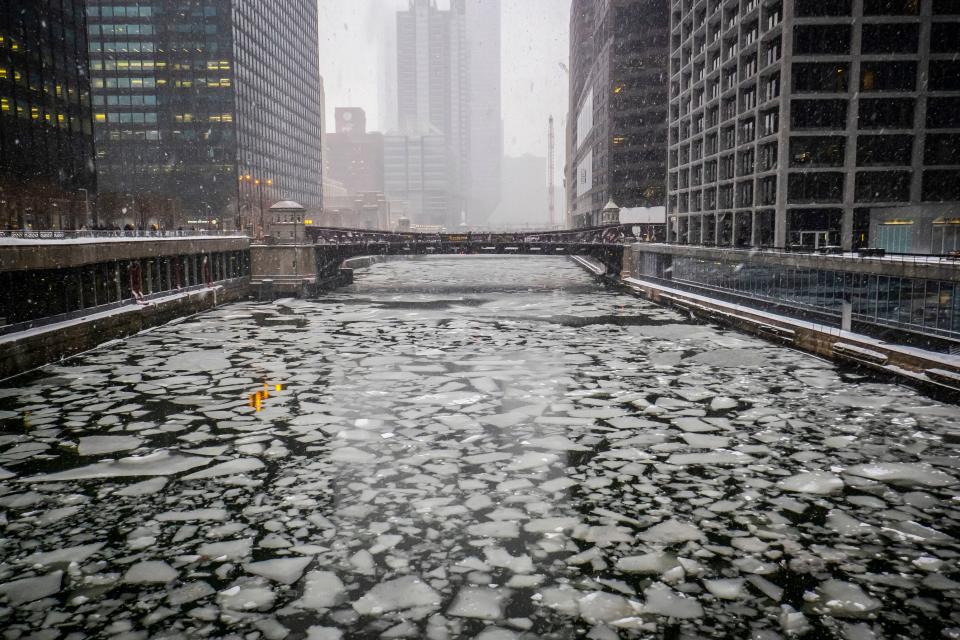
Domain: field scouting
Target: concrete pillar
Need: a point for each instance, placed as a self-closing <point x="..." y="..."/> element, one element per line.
<point x="853" y="110"/>
<point x="920" y="111"/>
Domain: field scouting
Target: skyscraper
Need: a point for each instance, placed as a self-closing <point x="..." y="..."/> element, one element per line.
<point x="793" y="123"/>
<point x="204" y="109"/>
<point x="46" y="143"/>
<point x="617" y="131"/>
<point x="448" y="90"/>
<point x="483" y="28"/>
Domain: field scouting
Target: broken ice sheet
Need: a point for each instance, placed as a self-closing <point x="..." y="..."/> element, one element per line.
<point x="161" y="463"/>
<point x="100" y="445"/>
<point x="393" y="595"/>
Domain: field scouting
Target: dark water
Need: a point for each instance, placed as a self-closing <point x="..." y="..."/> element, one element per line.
<point x="472" y="447"/>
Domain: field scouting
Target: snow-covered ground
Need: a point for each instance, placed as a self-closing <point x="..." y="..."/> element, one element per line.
<point x="480" y="447"/>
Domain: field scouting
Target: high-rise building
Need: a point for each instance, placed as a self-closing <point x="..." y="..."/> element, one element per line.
<point x="46" y="144"/>
<point x="354" y="155"/>
<point x="205" y="111"/>
<point x="790" y="122"/>
<point x="417" y="179"/>
<point x="483" y="29"/>
<point x="617" y="130"/>
<point x="448" y="88"/>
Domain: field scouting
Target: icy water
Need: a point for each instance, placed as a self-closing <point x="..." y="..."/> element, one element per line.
<point x="486" y="448"/>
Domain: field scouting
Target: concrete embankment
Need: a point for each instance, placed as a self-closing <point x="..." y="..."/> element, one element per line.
<point x="32" y="348"/>
<point x="928" y="369"/>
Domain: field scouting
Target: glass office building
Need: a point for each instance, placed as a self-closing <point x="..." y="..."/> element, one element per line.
<point x="46" y="143"/>
<point x="204" y="109"/>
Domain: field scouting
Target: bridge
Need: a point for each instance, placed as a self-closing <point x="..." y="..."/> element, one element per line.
<point x="605" y="244"/>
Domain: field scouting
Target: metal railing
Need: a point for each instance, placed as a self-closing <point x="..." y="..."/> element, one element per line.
<point x="86" y="234"/>
<point x="859" y="255"/>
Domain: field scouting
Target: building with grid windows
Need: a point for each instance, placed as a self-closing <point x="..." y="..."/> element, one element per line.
<point x="793" y="122"/>
<point x="617" y="130"/>
<point x="205" y="111"/>
<point x="46" y="143"/>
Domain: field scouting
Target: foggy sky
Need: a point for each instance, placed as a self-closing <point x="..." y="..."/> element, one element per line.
<point x="535" y="44"/>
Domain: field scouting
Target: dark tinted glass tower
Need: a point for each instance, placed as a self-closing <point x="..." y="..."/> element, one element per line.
<point x="617" y="136"/>
<point x="46" y="150"/>
<point x="205" y="110"/>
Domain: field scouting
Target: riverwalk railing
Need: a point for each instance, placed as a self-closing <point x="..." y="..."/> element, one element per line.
<point x="131" y="234"/>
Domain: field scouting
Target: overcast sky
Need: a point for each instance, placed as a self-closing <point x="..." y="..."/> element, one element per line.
<point x="535" y="45"/>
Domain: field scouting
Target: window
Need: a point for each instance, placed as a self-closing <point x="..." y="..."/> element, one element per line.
<point x="883" y="186"/>
<point x="768" y="190"/>
<point x="821" y="39"/>
<point x="768" y="159"/>
<point x="895" y="237"/>
<point x="946" y="7"/>
<point x="941" y="185"/>
<point x="819" y="8"/>
<point x="815" y="187"/>
<point x="888" y="76"/>
<point x="944" y="75"/>
<point x="942" y="148"/>
<point x="771" y="123"/>
<point x="896" y="113"/>
<point x="943" y="113"/>
<point x="890" y="38"/>
<point x="817" y="151"/>
<point x="945" y="37"/>
<point x="819" y="114"/>
<point x="879" y="151"/>
<point x="891" y="7"/>
<point x="820" y="77"/>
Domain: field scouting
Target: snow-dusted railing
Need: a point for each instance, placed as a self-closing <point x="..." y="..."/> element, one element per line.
<point x="118" y="233"/>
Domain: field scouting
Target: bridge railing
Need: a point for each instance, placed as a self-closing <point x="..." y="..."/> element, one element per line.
<point x="87" y="234"/>
<point x="611" y="234"/>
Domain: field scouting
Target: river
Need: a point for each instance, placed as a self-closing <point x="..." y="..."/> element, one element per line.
<point x="460" y="447"/>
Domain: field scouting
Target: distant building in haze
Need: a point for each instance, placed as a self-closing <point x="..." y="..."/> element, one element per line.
<point x="204" y="110"/>
<point x="448" y="94"/>
<point x="46" y="144"/>
<point x="617" y="130"/>
<point x="525" y="201"/>
<point x="354" y="155"/>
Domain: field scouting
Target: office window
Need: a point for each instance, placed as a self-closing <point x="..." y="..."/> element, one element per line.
<point x="888" y="76"/>
<point x="944" y="75"/>
<point x="943" y="113"/>
<point x="942" y="148"/>
<point x="878" y="151"/>
<point x="946" y="7"/>
<point x="883" y="186"/>
<point x="891" y="7"/>
<point x="819" y="114"/>
<point x="893" y="113"/>
<point x="890" y="38"/>
<point x="820" y="8"/>
<point x="941" y="185"/>
<point x="817" y="151"/>
<point x="945" y="37"/>
<point x="815" y="187"/>
<point x="816" y="39"/>
<point x="823" y="77"/>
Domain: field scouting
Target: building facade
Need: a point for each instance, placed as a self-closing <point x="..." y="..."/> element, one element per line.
<point x="483" y="36"/>
<point x="205" y="110"/>
<point x="617" y="129"/>
<point x="448" y="86"/>
<point x="416" y="178"/>
<point x="354" y="155"/>
<point x="790" y="121"/>
<point x="47" y="174"/>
